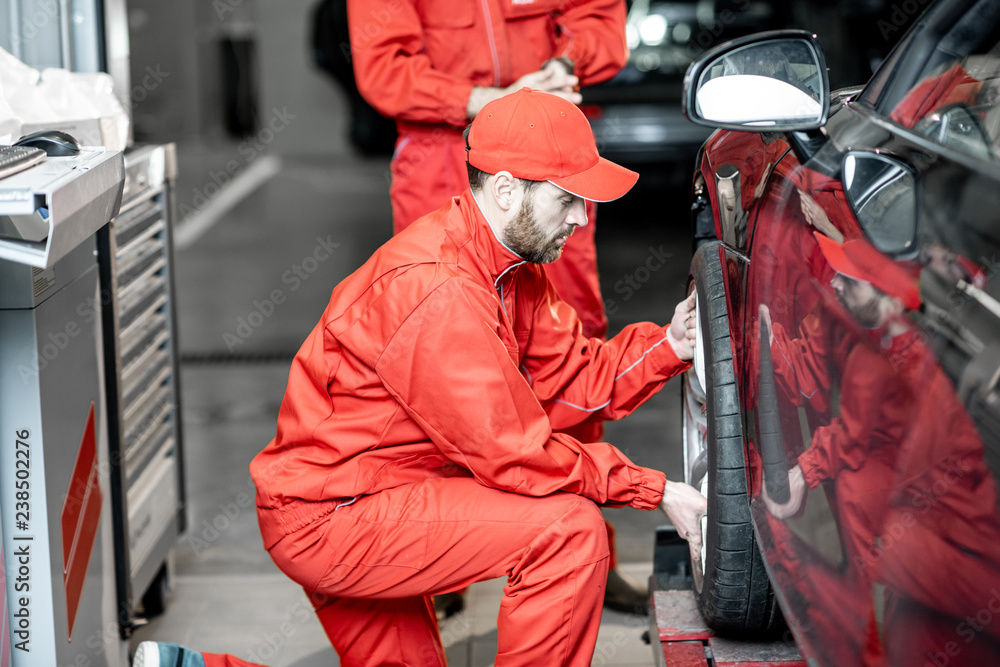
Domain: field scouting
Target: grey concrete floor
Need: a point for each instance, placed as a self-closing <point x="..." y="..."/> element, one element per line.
<point x="227" y="596"/>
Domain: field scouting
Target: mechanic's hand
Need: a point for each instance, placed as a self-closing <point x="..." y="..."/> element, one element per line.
<point x="561" y="74"/>
<point x="797" y="491"/>
<point x="682" y="333"/>
<point x="553" y="79"/>
<point x="685" y="507"/>
<point x="816" y="216"/>
<point x="765" y="318"/>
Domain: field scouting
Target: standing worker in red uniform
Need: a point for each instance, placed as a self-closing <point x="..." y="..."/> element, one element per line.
<point x="418" y="446"/>
<point x="432" y="65"/>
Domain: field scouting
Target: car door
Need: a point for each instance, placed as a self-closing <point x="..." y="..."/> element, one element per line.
<point x="886" y="425"/>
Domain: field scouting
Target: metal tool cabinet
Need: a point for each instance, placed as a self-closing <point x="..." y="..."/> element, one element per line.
<point x="56" y="519"/>
<point x="141" y="364"/>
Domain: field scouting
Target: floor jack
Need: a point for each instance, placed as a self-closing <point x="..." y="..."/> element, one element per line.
<point x="680" y="636"/>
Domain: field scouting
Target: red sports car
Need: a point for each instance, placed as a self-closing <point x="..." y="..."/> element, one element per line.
<point x="843" y="414"/>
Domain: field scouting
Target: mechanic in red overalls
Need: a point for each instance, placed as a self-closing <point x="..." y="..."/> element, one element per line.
<point x="417" y="448"/>
<point x="432" y="65"/>
<point x="915" y="501"/>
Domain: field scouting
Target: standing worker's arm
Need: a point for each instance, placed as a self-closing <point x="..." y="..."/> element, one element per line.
<point x="592" y="35"/>
<point x="416" y="66"/>
<point x="590" y="47"/>
<point x="392" y="69"/>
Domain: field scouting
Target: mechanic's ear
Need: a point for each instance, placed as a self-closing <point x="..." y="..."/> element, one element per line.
<point x="503" y="189"/>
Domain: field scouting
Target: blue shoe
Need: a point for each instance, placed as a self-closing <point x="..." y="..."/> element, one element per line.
<point x="159" y="654"/>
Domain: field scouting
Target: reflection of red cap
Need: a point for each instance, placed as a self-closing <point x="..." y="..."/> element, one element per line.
<point x="542" y="137"/>
<point x="859" y="259"/>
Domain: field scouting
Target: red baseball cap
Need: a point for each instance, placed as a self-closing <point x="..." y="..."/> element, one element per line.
<point x="858" y="259"/>
<point x="538" y="136"/>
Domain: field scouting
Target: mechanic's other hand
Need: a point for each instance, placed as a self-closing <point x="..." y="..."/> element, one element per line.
<point x="682" y="333"/>
<point x="553" y="79"/>
<point x="685" y="507"/>
<point x="561" y="75"/>
<point x="817" y="217"/>
<point x="765" y="318"/>
<point x="797" y="493"/>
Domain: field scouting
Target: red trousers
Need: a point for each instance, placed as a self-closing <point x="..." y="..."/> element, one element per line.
<point x="429" y="169"/>
<point x="370" y="568"/>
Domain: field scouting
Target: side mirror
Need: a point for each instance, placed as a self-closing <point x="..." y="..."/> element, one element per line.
<point x="882" y="192"/>
<point x="768" y="82"/>
<point x="957" y="126"/>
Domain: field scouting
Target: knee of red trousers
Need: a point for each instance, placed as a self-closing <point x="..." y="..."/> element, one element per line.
<point x="380" y="633"/>
<point x="578" y="536"/>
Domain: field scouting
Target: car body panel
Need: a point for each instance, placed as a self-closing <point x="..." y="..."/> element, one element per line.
<point x="894" y="556"/>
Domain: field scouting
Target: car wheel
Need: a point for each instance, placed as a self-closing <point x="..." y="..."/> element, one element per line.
<point x="730" y="583"/>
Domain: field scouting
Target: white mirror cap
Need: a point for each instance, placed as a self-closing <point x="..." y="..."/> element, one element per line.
<point x="751" y="99"/>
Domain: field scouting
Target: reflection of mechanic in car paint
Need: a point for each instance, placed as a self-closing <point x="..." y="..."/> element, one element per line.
<point x="915" y="501"/>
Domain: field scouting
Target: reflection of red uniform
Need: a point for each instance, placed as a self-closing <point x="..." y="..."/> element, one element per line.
<point x="417" y="62"/>
<point x="952" y="86"/>
<point x="418" y="419"/>
<point x="940" y="546"/>
<point x="914" y="500"/>
<point x="857" y="451"/>
<point x="854" y="452"/>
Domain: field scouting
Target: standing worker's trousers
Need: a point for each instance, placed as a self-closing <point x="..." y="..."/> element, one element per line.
<point x="370" y="566"/>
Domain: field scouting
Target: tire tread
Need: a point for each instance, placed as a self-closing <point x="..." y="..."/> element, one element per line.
<point x="736" y="598"/>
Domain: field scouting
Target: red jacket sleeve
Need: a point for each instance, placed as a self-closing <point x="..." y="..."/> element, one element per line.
<point x="391" y="69"/>
<point x="593" y="35"/>
<point x="802" y="365"/>
<point x="454" y="376"/>
<point x="874" y="418"/>
<point x="606" y="380"/>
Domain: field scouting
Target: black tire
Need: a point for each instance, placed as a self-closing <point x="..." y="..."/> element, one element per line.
<point x="734" y="593"/>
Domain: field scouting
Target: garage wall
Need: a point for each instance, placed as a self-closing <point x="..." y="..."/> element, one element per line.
<point x="290" y="82"/>
<point x="179" y="49"/>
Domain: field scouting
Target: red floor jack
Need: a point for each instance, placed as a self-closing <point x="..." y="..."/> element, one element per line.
<point x="683" y="638"/>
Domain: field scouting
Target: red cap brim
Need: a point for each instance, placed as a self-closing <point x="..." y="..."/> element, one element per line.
<point x="605" y="181"/>
<point x="838" y="259"/>
<point x="870" y="266"/>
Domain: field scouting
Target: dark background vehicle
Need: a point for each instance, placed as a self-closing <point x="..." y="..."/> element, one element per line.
<point x="907" y="165"/>
<point x="637" y="115"/>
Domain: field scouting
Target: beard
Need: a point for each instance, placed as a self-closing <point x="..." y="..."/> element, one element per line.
<point x="868" y="314"/>
<point x="529" y="240"/>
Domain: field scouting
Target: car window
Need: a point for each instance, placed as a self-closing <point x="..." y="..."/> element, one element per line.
<point x="957" y="105"/>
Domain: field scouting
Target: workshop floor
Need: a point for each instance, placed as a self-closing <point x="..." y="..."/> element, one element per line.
<point x="239" y="255"/>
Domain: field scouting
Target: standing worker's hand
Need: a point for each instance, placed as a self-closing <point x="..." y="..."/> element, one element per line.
<point x="556" y="77"/>
<point x="685" y="507"/>
<point x="682" y="333"/>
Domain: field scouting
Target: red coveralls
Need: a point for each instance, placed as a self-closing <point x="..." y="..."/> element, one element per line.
<point x="416" y="452"/>
<point x="417" y="62"/>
